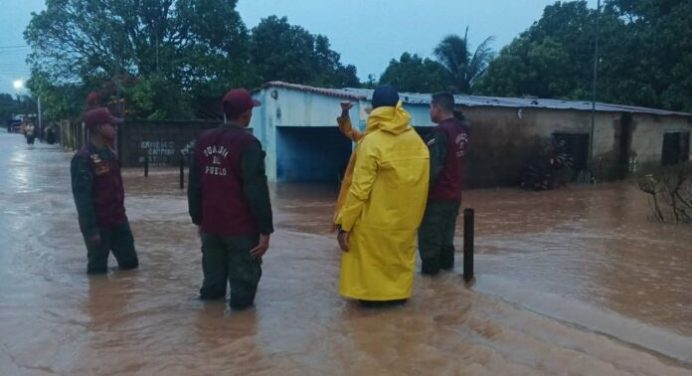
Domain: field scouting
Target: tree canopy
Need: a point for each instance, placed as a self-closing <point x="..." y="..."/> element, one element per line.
<point x="176" y="58"/>
<point x="191" y="45"/>
<point x="644" y="57"/>
<point x="168" y="58"/>
<point x="413" y="74"/>
<point x="553" y="58"/>
<point x="464" y="67"/>
<point x="285" y="52"/>
<point x="456" y="69"/>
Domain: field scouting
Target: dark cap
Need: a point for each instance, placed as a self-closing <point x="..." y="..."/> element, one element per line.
<point x="237" y="101"/>
<point x="98" y="116"/>
<point x="385" y="96"/>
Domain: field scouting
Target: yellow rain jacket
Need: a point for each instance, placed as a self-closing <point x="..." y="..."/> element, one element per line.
<point x="384" y="208"/>
<point x="354" y="135"/>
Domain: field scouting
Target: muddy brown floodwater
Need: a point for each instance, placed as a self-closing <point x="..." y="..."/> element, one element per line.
<point x="571" y="282"/>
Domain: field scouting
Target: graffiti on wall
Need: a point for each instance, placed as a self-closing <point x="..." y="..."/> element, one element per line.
<point x="160" y="152"/>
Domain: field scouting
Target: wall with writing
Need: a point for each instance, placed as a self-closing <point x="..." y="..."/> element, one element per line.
<point x="164" y="142"/>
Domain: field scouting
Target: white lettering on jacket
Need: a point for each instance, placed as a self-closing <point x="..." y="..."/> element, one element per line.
<point x="215" y="154"/>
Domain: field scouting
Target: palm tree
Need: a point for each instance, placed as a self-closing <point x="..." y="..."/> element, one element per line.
<point x="464" y="68"/>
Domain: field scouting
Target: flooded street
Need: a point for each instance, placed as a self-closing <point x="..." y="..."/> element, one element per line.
<point x="570" y="282"/>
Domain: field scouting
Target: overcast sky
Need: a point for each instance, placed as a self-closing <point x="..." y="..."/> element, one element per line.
<point x="367" y="33"/>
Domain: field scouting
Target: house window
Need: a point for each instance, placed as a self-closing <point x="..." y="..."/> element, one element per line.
<point x="676" y="148"/>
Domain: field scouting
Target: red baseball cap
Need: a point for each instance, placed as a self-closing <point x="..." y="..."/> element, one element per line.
<point x="93" y="99"/>
<point x="237" y="101"/>
<point x="99" y="116"/>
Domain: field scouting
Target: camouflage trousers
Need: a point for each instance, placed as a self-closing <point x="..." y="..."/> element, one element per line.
<point x="227" y="261"/>
<point x="436" y="236"/>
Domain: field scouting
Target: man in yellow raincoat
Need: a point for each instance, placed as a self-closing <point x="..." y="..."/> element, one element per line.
<point x="384" y="206"/>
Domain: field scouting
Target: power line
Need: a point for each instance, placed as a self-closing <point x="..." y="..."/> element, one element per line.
<point x="13" y="47"/>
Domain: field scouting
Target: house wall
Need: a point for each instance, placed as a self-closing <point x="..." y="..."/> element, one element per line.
<point x="293" y="109"/>
<point x="502" y="139"/>
<point x="647" y="138"/>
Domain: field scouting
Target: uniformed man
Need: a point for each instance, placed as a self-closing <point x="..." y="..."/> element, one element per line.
<point x="447" y="143"/>
<point x="228" y="199"/>
<point x="98" y="192"/>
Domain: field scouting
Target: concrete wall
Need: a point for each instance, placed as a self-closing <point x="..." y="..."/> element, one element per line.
<point x="297" y="109"/>
<point x="647" y="138"/>
<point x="287" y="108"/>
<point x="502" y="139"/>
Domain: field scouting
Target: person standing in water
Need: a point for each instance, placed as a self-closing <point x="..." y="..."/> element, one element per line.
<point x="384" y="206"/>
<point x="447" y="144"/>
<point x="97" y="187"/>
<point x="228" y="198"/>
<point x="30" y="133"/>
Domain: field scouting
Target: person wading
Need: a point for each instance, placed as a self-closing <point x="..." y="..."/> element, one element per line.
<point x="447" y="143"/>
<point x="384" y="206"/>
<point x="97" y="187"/>
<point x="30" y="133"/>
<point x="228" y="199"/>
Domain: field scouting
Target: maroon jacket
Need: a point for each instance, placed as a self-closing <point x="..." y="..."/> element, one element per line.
<point x="217" y="158"/>
<point x="447" y="186"/>
<point x="97" y="186"/>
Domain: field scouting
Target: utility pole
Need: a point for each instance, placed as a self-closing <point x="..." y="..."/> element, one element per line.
<point x="157" y="53"/>
<point x="593" y="92"/>
<point x="40" y="118"/>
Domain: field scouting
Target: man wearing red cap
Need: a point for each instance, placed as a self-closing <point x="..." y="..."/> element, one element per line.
<point x="228" y="199"/>
<point x="97" y="186"/>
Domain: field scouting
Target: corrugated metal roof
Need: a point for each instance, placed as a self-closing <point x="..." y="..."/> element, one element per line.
<point x="340" y="93"/>
<point x="480" y="101"/>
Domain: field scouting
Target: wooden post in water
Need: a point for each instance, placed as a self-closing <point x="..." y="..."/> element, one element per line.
<point x="182" y="171"/>
<point x="468" y="244"/>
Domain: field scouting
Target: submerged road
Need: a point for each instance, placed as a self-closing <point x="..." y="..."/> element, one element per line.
<point x="569" y="283"/>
